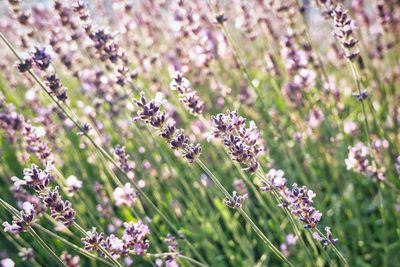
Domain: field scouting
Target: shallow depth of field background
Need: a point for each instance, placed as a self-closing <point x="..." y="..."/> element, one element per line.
<point x="239" y="64"/>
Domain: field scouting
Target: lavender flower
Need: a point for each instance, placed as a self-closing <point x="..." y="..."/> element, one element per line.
<point x="33" y="177"/>
<point x="41" y="58"/>
<point x="344" y="27"/>
<point x="26" y="254"/>
<point x="25" y="65"/>
<point x="187" y="95"/>
<point x="123" y="158"/>
<point x="93" y="240"/>
<point x="171" y="242"/>
<point x="69" y="260"/>
<point x="115" y="246"/>
<point x="10" y="120"/>
<point x="358" y="161"/>
<point x="240" y="141"/>
<point x="126" y="195"/>
<point x="236" y="201"/>
<point x="150" y="113"/>
<point x="23" y="221"/>
<point x="56" y="88"/>
<point x="325" y="241"/>
<point x="221" y="18"/>
<point x="38" y="179"/>
<point x="135" y="236"/>
<point x="385" y="16"/>
<point x="61" y="210"/>
<point x="73" y="185"/>
<point x="290" y="241"/>
<point x="33" y="137"/>
<point x="298" y="200"/>
<point x="296" y="62"/>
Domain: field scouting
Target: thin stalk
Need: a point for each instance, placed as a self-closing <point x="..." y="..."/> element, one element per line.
<point x="384" y="235"/>
<point x="46" y="247"/>
<point x="357" y="80"/>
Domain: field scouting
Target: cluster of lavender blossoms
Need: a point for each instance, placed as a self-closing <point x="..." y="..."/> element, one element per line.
<point x="173" y="249"/>
<point x="298" y="200"/>
<point x="10" y="120"/>
<point x="344" y="28"/>
<point x="290" y="241"/>
<point x="69" y="260"/>
<point x="123" y="159"/>
<point x="151" y="114"/>
<point x="134" y="239"/>
<point x="242" y="142"/>
<point x="358" y="161"/>
<point x="23" y="221"/>
<point x="34" y="144"/>
<point x="42" y="60"/>
<point x="296" y="63"/>
<point x="125" y="196"/>
<point x="105" y="46"/>
<point x="236" y="201"/>
<point x="187" y="95"/>
<point x="38" y="179"/>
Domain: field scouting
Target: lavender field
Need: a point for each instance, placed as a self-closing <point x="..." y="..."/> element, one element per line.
<point x="199" y="133"/>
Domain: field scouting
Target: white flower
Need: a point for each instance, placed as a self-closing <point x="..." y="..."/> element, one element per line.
<point x="40" y="132"/>
<point x="18" y="182"/>
<point x="124" y="195"/>
<point x="10" y="228"/>
<point x="73" y="182"/>
<point x="116" y="243"/>
<point x="291" y="239"/>
<point x="28" y="207"/>
<point x="311" y="195"/>
<point x="159" y="99"/>
<point x="350" y="163"/>
<point x="7" y="263"/>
